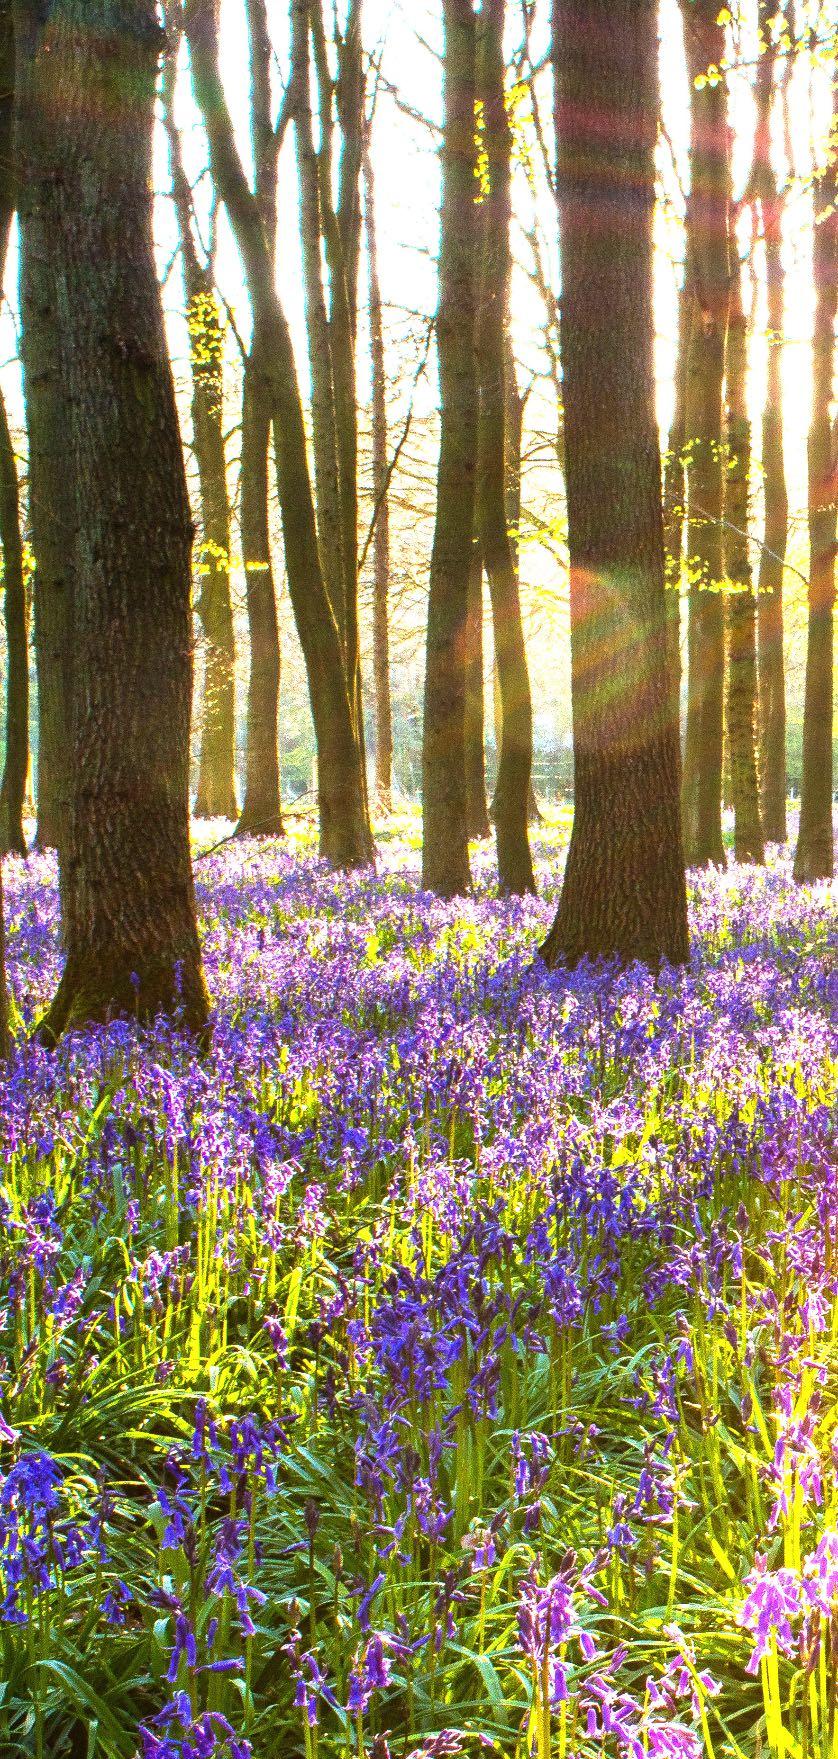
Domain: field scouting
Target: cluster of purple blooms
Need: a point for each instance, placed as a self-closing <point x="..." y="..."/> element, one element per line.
<point x="373" y="1382"/>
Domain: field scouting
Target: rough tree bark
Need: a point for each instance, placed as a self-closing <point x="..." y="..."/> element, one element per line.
<point x="216" y="790"/>
<point x="381" y="501"/>
<point x="624" y="892"/>
<point x="772" y="675"/>
<point x="814" y="853"/>
<point x="511" y="801"/>
<point x="130" y="928"/>
<point x="16" y="767"/>
<point x="51" y="490"/>
<point x="445" y="863"/>
<point x="708" y="274"/>
<point x="741" y="701"/>
<point x="345" y="836"/>
<point x="261" y="813"/>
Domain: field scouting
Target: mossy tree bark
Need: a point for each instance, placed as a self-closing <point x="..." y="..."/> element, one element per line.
<point x="814" y="856"/>
<point x="52" y="505"/>
<point x="741" y="703"/>
<point x="130" y="927"/>
<point x="381" y="499"/>
<point x="445" y="860"/>
<point x="770" y="639"/>
<point x="261" y="813"/>
<point x="624" y="892"/>
<point x="708" y="274"/>
<point x="216" y="790"/>
<point x="345" y="836"/>
<point x="511" y="801"/>
<point x="16" y="766"/>
<point x="515" y="403"/>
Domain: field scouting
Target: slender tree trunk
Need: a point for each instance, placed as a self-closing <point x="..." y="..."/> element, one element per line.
<point x="741" y="602"/>
<point x="16" y="768"/>
<point x="477" y="809"/>
<point x="674" y="496"/>
<point x="216" y="790"/>
<point x="514" y="447"/>
<point x="624" y="891"/>
<point x="345" y="836"/>
<point x="515" y="871"/>
<point x="323" y="419"/>
<point x="814" y="854"/>
<point x="770" y="645"/>
<point x="381" y="501"/>
<point x="51" y="491"/>
<point x="130" y="929"/>
<point x="445" y="863"/>
<point x="261" y="814"/>
<point x="708" y="271"/>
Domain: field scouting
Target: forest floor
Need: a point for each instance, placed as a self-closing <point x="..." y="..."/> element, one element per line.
<point x="452" y="1349"/>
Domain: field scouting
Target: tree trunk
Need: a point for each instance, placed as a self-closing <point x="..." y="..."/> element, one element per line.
<point x="130" y="929"/>
<point x="216" y="791"/>
<point x="772" y="677"/>
<point x="445" y="862"/>
<point x="51" y="490"/>
<point x="16" y="768"/>
<point x="477" y="809"/>
<point x="708" y="272"/>
<point x="345" y="836"/>
<point x="741" y="603"/>
<point x="514" y="444"/>
<point x="323" y="420"/>
<point x="381" y="502"/>
<point x="814" y="854"/>
<point x="674" y="495"/>
<point x="515" y="871"/>
<point x="261" y="814"/>
<point x="624" y="892"/>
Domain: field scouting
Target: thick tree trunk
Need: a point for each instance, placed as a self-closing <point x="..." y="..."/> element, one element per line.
<point x="708" y="273"/>
<point x="345" y="836"/>
<point x="674" y="497"/>
<point x="381" y="502"/>
<point x="130" y="929"/>
<point x="445" y="863"/>
<point x="216" y="790"/>
<point x="51" y="491"/>
<point x="741" y="603"/>
<point x="511" y="802"/>
<point x="477" y="808"/>
<point x="261" y="814"/>
<point x="624" y="892"/>
<point x="814" y="854"/>
<point x="770" y="645"/>
<point x="16" y="767"/>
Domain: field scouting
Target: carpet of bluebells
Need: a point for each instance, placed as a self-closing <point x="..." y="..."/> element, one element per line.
<point x="447" y="1362"/>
